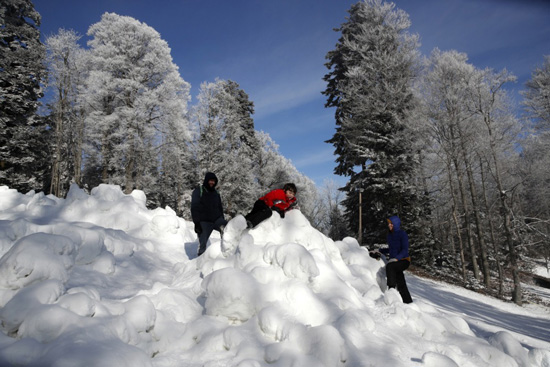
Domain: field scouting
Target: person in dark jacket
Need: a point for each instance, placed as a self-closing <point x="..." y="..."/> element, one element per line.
<point x="398" y="258"/>
<point x="207" y="210"/>
<point x="280" y="201"/>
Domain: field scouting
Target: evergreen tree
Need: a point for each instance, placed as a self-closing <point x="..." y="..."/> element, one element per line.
<point x="22" y="134"/>
<point x="227" y="143"/>
<point x="369" y="83"/>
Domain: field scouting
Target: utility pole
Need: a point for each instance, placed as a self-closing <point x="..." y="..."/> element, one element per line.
<point x="360" y="236"/>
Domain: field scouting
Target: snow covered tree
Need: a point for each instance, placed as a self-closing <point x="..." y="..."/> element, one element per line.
<point x="370" y="84"/>
<point x="274" y="171"/>
<point x="470" y="132"/>
<point x="66" y="69"/>
<point x="335" y="225"/>
<point x="534" y="161"/>
<point x="273" y="168"/>
<point x="23" y="155"/>
<point x="176" y="164"/>
<point x="227" y="144"/>
<point x="537" y="95"/>
<point x="500" y="131"/>
<point x="135" y="96"/>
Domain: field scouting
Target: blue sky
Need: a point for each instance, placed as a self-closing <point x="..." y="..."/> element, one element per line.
<point x="275" y="50"/>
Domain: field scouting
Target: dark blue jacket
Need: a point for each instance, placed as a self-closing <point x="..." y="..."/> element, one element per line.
<point x="206" y="203"/>
<point x="398" y="241"/>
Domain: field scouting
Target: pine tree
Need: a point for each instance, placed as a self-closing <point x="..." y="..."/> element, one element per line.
<point x="227" y="142"/>
<point x="22" y="134"/>
<point x="369" y="83"/>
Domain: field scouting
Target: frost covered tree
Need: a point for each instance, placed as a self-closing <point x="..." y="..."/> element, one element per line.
<point x="175" y="160"/>
<point x="134" y="97"/>
<point x="227" y="143"/>
<point x="335" y="225"/>
<point x="537" y="96"/>
<point x="500" y="130"/>
<point x="23" y="154"/>
<point x="470" y="133"/>
<point x="534" y="160"/>
<point x="66" y="70"/>
<point x="370" y="84"/>
<point x="274" y="170"/>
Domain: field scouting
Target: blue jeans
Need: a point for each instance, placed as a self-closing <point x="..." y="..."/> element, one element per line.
<point x="207" y="228"/>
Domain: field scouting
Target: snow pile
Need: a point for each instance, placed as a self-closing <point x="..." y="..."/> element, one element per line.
<point x="100" y="280"/>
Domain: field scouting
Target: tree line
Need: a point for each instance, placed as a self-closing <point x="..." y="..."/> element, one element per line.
<point x="432" y="139"/>
<point x="118" y="113"/>
<point x="439" y="142"/>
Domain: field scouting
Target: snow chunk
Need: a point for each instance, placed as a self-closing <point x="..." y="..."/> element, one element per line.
<point x="27" y="300"/>
<point x="432" y="359"/>
<point x="505" y="342"/>
<point x="47" y="323"/>
<point x="164" y="224"/>
<point x="294" y="259"/>
<point x="37" y="257"/>
<point x="141" y="313"/>
<point x="231" y="293"/>
<point x="539" y="357"/>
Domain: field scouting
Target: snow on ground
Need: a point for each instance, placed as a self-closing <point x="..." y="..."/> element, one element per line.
<point x="100" y="280"/>
<point x="540" y="268"/>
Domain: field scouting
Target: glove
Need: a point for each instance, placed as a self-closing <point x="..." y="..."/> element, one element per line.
<point x="392" y="260"/>
<point x="198" y="228"/>
<point x="375" y="255"/>
<point x="278" y="210"/>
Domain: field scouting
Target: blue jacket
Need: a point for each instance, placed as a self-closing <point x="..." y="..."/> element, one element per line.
<point x="398" y="241"/>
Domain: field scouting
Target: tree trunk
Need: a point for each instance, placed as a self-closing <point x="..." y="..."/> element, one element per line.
<point x="464" y="201"/>
<point x="506" y="220"/>
<point x="496" y="251"/>
<point x="476" y="211"/>
<point x="457" y="223"/>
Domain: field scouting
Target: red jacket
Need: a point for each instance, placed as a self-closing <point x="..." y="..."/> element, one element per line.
<point x="278" y="198"/>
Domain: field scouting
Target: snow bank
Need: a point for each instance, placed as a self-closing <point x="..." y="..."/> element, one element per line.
<point x="100" y="280"/>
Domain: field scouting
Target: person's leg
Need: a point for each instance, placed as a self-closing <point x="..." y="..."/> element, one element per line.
<point x="220" y="224"/>
<point x="391" y="277"/>
<point x="401" y="283"/>
<point x="207" y="228"/>
<point x="396" y="278"/>
<point x="259" y="213"/>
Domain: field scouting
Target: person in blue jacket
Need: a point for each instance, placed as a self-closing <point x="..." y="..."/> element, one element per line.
<point x="207" y="210"/>
<point x="398" y="258"/>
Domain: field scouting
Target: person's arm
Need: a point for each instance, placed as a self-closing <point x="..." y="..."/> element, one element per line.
<point x="195" y="209"/>
<point x="276" y="201"/>
<point x="404" y="252"/>
<point x="220" y="205"/>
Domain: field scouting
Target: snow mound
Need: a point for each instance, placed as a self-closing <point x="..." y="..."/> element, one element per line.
<point x="100" y="280"/>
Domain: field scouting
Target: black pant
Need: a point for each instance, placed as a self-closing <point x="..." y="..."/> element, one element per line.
<point x="395" y="277"/>
<point x="260" y="212"/>
<point x="207" y="228"/>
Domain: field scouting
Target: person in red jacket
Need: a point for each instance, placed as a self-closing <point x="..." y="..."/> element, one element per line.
<point x="280" y="200"/>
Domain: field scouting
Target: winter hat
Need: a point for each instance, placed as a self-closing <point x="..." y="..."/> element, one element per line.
<point x="209" y="176"/>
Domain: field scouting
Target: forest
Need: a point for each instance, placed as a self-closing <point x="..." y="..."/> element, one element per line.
<point x="433" y="139"/>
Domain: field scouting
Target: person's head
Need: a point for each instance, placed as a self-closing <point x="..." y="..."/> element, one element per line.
<point x="210" y="180"/>
<point x="290" y="190"/>
<point x="394" y="223"/>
